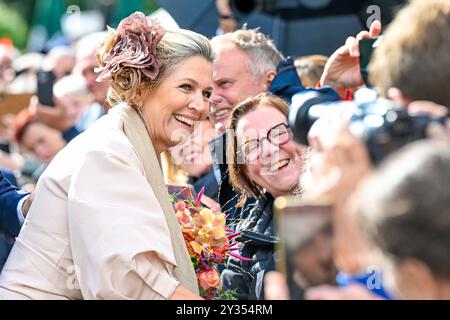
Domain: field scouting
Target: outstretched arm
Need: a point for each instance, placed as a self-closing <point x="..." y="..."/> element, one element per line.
<point x="11" y="204"/>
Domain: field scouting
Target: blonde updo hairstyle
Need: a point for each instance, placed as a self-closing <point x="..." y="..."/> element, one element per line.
<point x="130" y="85"/>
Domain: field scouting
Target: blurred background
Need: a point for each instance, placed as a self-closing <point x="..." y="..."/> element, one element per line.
<point x="34" y="25"/>
<point x="298" y="27"/>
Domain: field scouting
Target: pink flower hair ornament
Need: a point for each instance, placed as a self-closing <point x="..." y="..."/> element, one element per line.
<point x="132" y="45"/>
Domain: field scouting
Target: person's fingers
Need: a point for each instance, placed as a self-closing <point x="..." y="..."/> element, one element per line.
<point x="320" y="164"/>
<point x="352" y="45"/>
<point x="315" y="135"/>
<point x="314" y="143"/>
<point x="335" y="124"/>
<point x="351" y="292"/>
<point x="438" y="132"/>
<point x="34" y="100"/>
<point x="324" y="292"/>
<point x="359" y="154"/>
<point x="343" y="50"/>
<point x="341" y="153"/>
<point x="29" y="187"/>
<point x="347" y="159"/>
<point x="434" y="131"/>
<point x="427" y="107"/>
<point x="58" y="102"/>
<point x="349" y="41"/>
<point x="363" y="35"/>
<point x="32" y="106"/>
<point x="375" y="29"/>
<point x="275" y="286"/>
<point x="27" y="204"/>
<point x="354" y="49"/>
<point x="354" y="148"/>
<point x="396" y="94"/>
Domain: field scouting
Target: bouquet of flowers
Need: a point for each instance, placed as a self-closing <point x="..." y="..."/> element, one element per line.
<point x="209" y="243"/>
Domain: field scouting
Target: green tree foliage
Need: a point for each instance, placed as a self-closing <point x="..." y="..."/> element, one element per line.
<point x="17" y="16"/>
<point x="13" y="26"/>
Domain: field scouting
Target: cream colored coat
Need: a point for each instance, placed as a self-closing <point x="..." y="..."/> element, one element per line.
<point x="96" y="229"/>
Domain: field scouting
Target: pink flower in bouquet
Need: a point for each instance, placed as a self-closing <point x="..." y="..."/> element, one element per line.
<point x="209" y="279"/>
<point x="185" y="219"/>
<point x="180" y="205"/>
<point x="199" y="197"/>
<point x="183" y="213"/>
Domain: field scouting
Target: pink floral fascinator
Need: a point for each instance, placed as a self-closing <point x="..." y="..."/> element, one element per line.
<point x="132" y="45"/>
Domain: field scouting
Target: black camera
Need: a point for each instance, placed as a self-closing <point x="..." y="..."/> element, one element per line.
<point x="384" y="125"/>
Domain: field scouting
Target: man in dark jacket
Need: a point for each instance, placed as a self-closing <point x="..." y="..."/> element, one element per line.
<point x="244" y="66"/>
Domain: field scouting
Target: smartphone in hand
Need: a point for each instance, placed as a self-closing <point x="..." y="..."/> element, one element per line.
<point x="45" y="81"/>
<point x="366" y="48"/>
<point x="305" y="250"/>
<point x="5" y="146"/>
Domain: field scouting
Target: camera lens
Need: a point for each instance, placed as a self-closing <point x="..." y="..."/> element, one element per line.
<point x="384" y="125"/>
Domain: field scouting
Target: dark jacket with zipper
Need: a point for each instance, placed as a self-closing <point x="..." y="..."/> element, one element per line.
<point x="257" y="229"/>
<point x="258" y="243"/>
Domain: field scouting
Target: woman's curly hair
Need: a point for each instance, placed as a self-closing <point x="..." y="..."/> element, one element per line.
<point x="140" y="53"/>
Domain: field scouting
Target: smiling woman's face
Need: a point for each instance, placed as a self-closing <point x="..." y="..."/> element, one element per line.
<point x="194" y="155"/>
<point x="275" y="168"/>
<point x="178" y="103"/>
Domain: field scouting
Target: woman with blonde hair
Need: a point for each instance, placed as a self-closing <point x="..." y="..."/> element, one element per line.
<point x="101" y="225"/>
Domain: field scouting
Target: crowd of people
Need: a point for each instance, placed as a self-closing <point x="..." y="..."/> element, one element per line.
<point x="85" y="211"/>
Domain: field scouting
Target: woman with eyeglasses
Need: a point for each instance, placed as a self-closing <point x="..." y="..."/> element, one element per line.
<point x="265" y="163"/>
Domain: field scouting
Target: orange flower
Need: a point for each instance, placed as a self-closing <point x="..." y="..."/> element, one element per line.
<point x="220" y="247"/>
<point x="209" y="218"/>
<point x="207" y="230"/>
<point x="188" y="231"/>
<point x="191" y="251"/>
<point x="209" y="279"/>
<point x="197" y="247"/>
<point x="184" y="216"/>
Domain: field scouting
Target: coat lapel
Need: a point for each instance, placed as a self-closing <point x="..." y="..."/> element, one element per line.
<point x="136" y="132"/>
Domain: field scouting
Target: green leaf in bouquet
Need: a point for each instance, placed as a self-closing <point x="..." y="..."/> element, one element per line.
<point x="194" y="261"/>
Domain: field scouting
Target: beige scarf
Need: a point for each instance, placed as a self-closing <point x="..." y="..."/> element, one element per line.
<point x="137" y="133"/>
